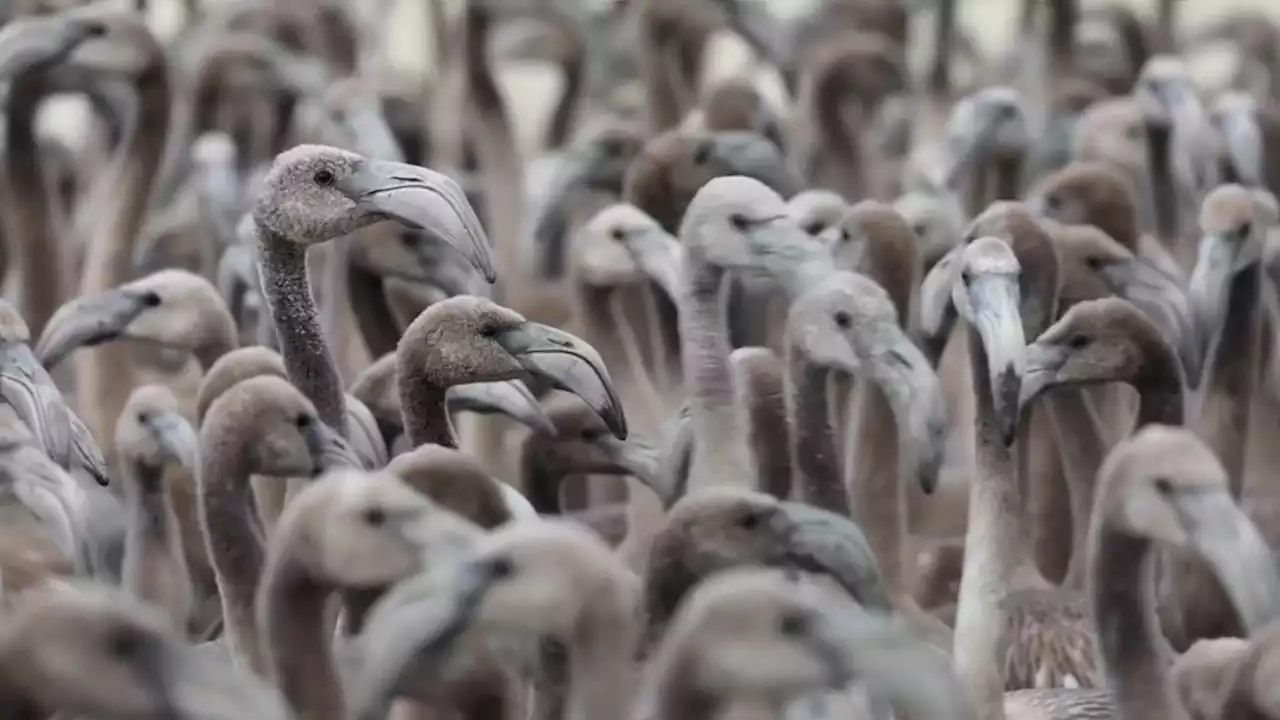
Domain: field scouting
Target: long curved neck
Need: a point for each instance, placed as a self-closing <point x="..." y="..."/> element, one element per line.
<point x="763" y="397"/>
<point x="426" y="419"/>
<point x="991" y="551"/>
<point x="575" y="80"/>
<point x="838" y="154"/>
<point x="498" y="154"/>
<point x="667" y="95"/>
<point x="105" y="372"/>
<point x="35" y="246"/>
<point x="1078" y="430"/>
<point x="818" y="480"/>
<point x="1160" y="388"/>
<point x="1166" y="214"/>
<point x="372" y="311"/>
<point x="307" y="361"/>
<point x="879" y="488"/>
<point x="301" y="656"/>
<point x="231" y="538"/>
<point x="155" y="568"/>
<point x="541" y="477"/>
<point x="1232" y="375"/>
<point x="997" y="177"/>
<point x="1122" y="588"/>
<point x="717" y="456"/>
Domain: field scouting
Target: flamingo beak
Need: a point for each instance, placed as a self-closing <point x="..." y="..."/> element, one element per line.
<point x="422" y="199"/>
<point x="570" y="364"/>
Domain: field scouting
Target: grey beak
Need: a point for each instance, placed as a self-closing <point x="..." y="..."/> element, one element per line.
<point x="88" y="321"/>
<point x="1039" y="375"/>
<point x="937" y="313"/>
<point x="660" y="256"/>
<point x="1242" y="140"/>
<point x="328" y="448"/>
<point x="999" y="325"/>
<point x="751" y="154"/>
<point x="32" y="41"/>
<point x="412" y="633"/>
<point x="506" y="397"/>
<point x="425" y="200"/>
<point x="177" y="438"/>
<point x="1229" y="541"/>
<point x="640" y="460"/>
<point x="570" y="364"/>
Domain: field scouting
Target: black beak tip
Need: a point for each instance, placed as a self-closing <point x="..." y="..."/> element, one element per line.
<point x="617" y="425"/>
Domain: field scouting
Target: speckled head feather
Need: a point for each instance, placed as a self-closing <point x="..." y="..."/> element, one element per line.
<point x="315" y="193"/>
<point x="1089" y="193"/>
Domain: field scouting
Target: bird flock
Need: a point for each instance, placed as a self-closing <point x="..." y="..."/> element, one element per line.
<point x="941" y="393"/>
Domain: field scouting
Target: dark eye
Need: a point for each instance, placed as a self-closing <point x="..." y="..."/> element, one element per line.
<point x="965" y="277"/>
<point x="150" y="299"/>
<point x="123" y="643"/>
<point x="1093" y="262"/>
<point x="845" y="236"/>
<point x="1052" y="202"/>
<point x="374" y="516"/>
<point x="793" y="624"/>
<point x="1163" y="485"/>
<point x="501" y="567"/>
<point x="323" y="177"/>
<point x="303" y="421"/>
<point x="144" y="417"/>
<point x="920" y="229"/>
<point x="1244" y="230"/>
<point x="610" y="148"/>
<point x="702" y="153"/>
<point x="489" y="331"/>
<point x="843" y="320"/>
<point x="618" y="235"/>
<point x="739" y="222"/>
<point x="751" y="521"/>
<point x="1077" y="341"/>
<point x="814" y="228"/>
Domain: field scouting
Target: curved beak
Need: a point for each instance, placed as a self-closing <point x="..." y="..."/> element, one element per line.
<point x="640" y="460"/>
<point x="88" y="321"/>
<point x="937" y="313"/>
<point x="1208" y="287"/>
<point x="181" y="216"/>
<point x="660" y="256"/>
<point x="1229" y="541"/>
<point x="30" y="41"/>
<point x="505" y="397"/>
<point x="412" y="633"/>
<point x="425" y="200"/>
<point x="914" y="391"/>
<point x="751" y="154"/>
<point x="1164" y="301"/>
<point x="1237" y="125"/>
<point x="998" y="322"/>
<point x="1040" y="372"/>
<point x="368" y="126"/>
<point x="328" y="448"/>
<point x="964" y="146"/>
<point x="569" y="364"/>
<point x="176" y="437"/>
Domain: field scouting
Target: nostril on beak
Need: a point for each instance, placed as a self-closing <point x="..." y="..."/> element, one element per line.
<point x="93" y="29"/>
